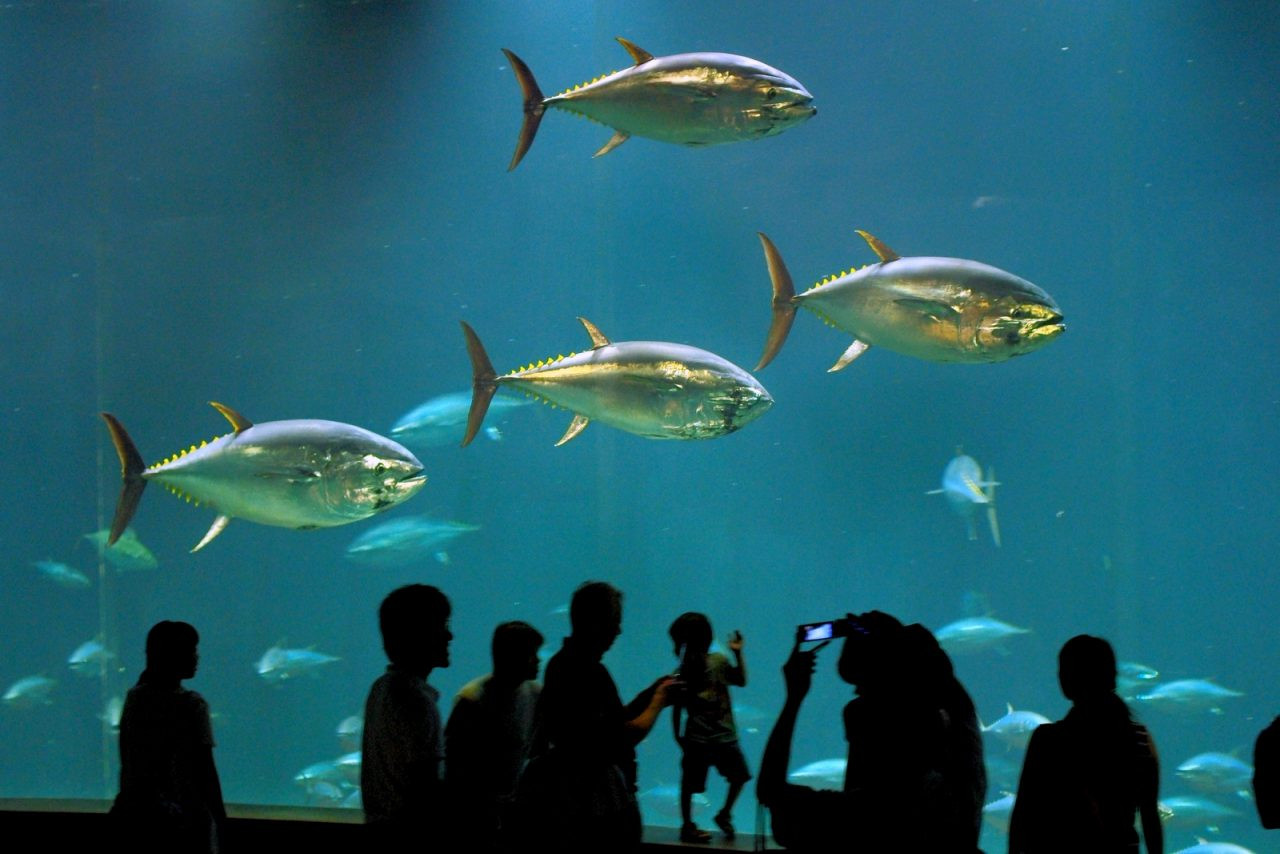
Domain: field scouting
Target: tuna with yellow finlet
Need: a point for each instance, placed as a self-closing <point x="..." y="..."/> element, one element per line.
<point x="686" y="98"/>
<point x="302" y="474"/>
<point x="654" y="389"/>
<point x="938" y="309"/>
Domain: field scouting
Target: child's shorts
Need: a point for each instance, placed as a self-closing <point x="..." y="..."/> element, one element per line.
<point x="726" y="758"/>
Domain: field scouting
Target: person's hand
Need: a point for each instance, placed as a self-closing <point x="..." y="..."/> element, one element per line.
<point x="797" y="672"/>
<point x="735" y="642"/>
<point x="665" y="690"/>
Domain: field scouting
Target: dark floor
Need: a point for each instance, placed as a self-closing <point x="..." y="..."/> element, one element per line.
<point x="80" y="825"/>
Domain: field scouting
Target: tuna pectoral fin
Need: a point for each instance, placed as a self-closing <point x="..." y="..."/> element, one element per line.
<point x="215" y="529"/>
<point x="856" y="349"/>
<point x="483" y="383"/>
<point x="617" y="139"/>
<point x="131" y="466"/>
<point x="533" y="106"/>
<point x="784" y="308"/>
<point x="576" y="426"/>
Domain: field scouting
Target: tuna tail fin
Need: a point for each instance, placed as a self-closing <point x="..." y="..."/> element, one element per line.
<point x="131" y="468"/>
<point x="483" y="383"/>
<point x="533" y="106"/>
<point x="784" y="308"/>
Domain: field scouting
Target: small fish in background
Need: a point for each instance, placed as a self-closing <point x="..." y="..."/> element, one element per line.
<point x="654" y="389"/>
<point x="1204" y="846"/>
<point x="975" y="634"/>
<point x="301" y="474"/>
<point x="687" y="98"/>
<point x="350" y="732"/>
<point x="91" y="658"/>
<point x="62" y="575"/>
<point x="1132" y="678"/>
<point x="126" y="554"/>
<point x="442" y="420"/>
<point x="1218" y="773"/>
<point x="1194" y="812"/>
<point x="823" y="774"/>
<point x="936" y="309"/>
<point x="279" y="664"/>
<point x="407" y="540"/>
<point x="29" y="692"/>
<point x="998" y="812"/>
<point x="966" y="490"/>
<point x="1014" y="728"/>
<point x="750" y="719"/>
<point x="1189" y="696"/>
<point x="111" y="712"/>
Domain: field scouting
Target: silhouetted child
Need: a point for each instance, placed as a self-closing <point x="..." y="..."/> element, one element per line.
<point x="710" y="737"/>
<point x="1266" y="775"/>
<point x="402" y="749"/>
<point x="170" y="799"/>
<point x="489" y="735"/>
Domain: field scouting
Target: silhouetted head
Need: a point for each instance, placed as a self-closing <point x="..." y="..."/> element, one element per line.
<point x="595" y="615"/>
<point x="863" y="657"/>
<point x="171" y="650"/>
<point x="515" y="651"/>
<point x="1086" y="668"/>
<point x="691" y="630"/>
<point x="414" y="620"/>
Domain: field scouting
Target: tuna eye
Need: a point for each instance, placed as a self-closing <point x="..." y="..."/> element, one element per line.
<point x="379" y="468"/>
<point x="770" y="94"/>
<point x="1013" y="337"/>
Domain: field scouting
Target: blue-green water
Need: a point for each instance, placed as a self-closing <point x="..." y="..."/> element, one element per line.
<point x="288" y="208"/>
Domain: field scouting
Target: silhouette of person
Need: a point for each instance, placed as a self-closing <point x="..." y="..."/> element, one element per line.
<point x="577" y="792"/>
<point x="1266" y="775"/>
<point x="170" y="798"/>
<point x="401" y="748"/>
<point x="1085" y="776"/>
<point x="914" y="779"/>
<point x="710" y="738"/>
<point x="489" y="733"/>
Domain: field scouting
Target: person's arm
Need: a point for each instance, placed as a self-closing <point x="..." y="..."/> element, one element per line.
<point x="676" y="714"/>
<point x="738" y="672"/>
<point x="659" y="697"/>
<point x="797" y="673"/>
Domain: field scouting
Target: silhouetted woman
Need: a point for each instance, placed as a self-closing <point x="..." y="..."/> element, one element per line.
<point x="170" y="799"/>
<point x="1085" y="776"/>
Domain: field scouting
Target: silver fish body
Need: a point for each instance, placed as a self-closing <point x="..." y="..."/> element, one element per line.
<point x="965" y="490"/>
<point x="694" y="99"/>
<point x="305" y="473"/>
<point x="932" y="308"/>
<point x="655" y="389"/>
<point x="442" y="420"/>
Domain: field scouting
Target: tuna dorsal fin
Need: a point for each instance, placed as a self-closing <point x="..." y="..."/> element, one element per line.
<point x="639" y="54"/>
<point x="576" y="426"/>
<point x="878" y="247"/>
<point x="597" y="337"/>
<point x="215" y="529"/>
<point x="238" y="421"/>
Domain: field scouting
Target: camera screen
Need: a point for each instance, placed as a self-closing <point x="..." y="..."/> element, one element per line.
<point x="817" y="631"/>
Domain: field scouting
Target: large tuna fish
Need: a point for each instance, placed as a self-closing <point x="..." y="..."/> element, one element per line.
<point x="939" y="309"/>
<point x="295" y="474"/>
<point x="687" y="98"/>
<point x="654" y="389"/>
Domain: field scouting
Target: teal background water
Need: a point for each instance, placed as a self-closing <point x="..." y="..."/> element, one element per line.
<point x="288" y="207"/>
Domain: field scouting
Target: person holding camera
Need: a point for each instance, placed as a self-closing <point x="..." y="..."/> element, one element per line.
<point x="915" y="779"/>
